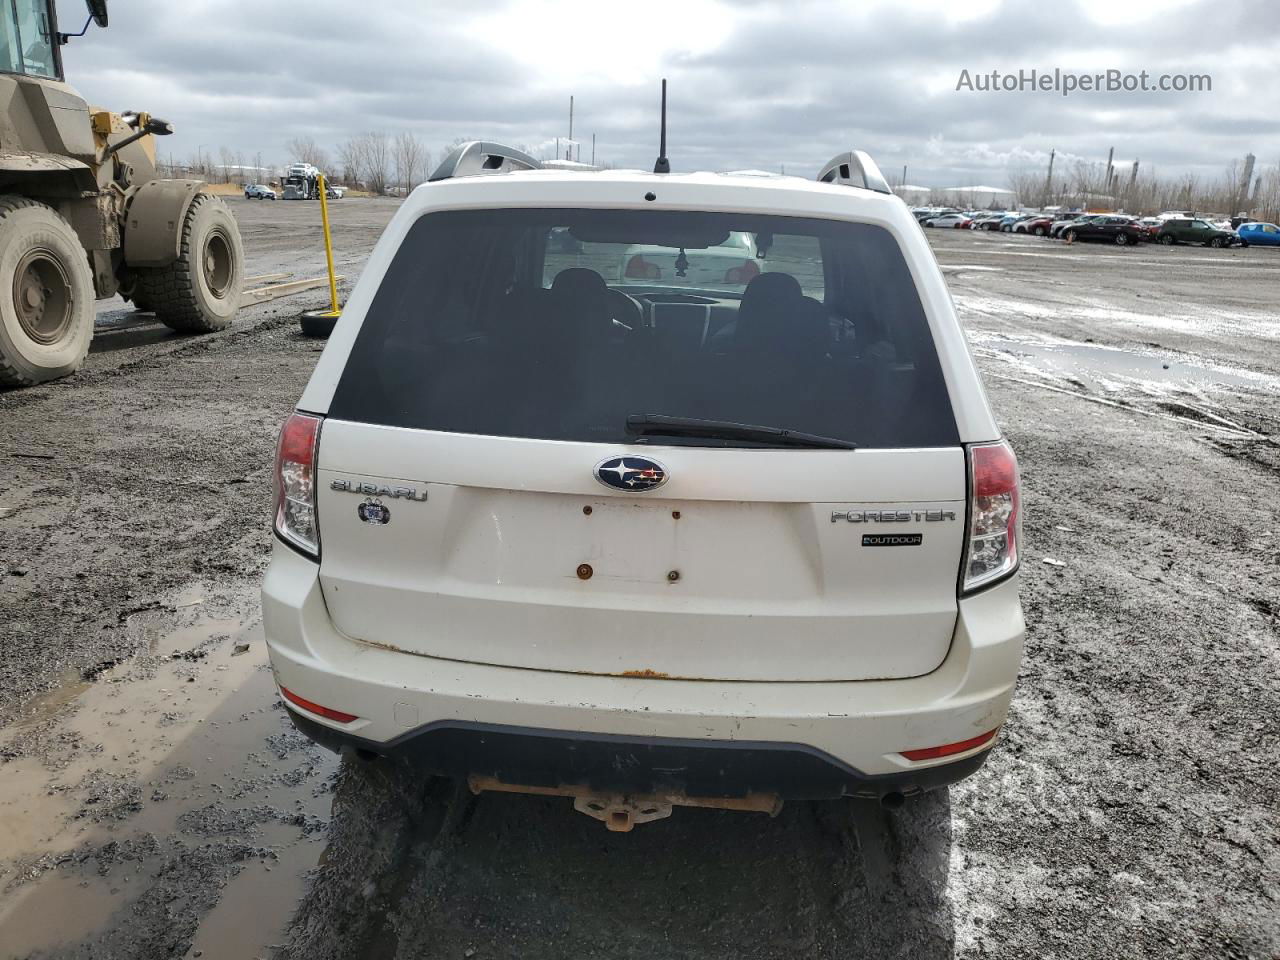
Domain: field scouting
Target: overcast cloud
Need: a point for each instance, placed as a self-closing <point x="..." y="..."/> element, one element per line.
<point x="758" y="84"/>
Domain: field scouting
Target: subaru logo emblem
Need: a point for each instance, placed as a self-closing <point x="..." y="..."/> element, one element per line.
<point x="631" y="474"/>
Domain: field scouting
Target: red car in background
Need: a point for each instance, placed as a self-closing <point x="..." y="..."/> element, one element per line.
<point x="1151" y="226"/>
<point x="1036" y="225"/>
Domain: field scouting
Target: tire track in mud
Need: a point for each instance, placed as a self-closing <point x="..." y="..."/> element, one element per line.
<point x="452" y="874"/>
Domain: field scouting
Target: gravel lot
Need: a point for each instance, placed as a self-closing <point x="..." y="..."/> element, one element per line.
<point x="154" y="801"/>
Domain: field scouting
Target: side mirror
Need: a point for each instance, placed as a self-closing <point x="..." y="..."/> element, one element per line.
<point x="98" y="11"/>
<point x="158" y="127"/>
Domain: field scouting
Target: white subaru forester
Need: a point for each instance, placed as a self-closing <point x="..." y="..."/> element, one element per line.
<point x="560" y="523"/>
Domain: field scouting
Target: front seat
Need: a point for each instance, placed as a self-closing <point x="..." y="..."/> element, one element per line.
<point x="767" y="313"/>
<point x="576" y="350"/>
<point x="779" y="341"/>
<point x="580" y="305"/>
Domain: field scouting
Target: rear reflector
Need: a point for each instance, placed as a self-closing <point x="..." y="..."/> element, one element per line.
<point x="932" y="753"/>
<point x="336" y="715"/>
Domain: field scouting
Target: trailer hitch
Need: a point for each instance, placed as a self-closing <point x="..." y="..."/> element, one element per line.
<point x="621" y="812"/>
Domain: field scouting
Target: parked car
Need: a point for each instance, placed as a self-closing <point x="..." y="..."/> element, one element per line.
<point x="333" y="192"/>
<point x="1119" y="230"/>
<point x="725" y="266"/>
<point x="925" y="213"/>
<point x="511" y="529"/>
<point x="987" y="221"/>
<point x="954" y="220"/>
<point x="256" y="191"/>
<point x="1037" y="225"/>
<point x="1259" y="234"/>
<point x="1060" y="225"/>
<point x="1151" y="226"/>
<point x="1184" y="230"/>
<point x="1008" y="223"/>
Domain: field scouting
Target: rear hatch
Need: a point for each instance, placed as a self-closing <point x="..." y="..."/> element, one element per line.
<point x="497" y="483"/>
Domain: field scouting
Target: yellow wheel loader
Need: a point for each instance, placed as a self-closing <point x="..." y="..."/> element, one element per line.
<point x="83" y="215"/>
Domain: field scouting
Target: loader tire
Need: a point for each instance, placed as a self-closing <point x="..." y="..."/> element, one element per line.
<point x="46" y="295"/>
<point x="200" y="291"/>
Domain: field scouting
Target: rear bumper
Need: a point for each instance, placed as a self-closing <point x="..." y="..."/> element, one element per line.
<point x="635" y="734"/>
<point x="636" y="765"/>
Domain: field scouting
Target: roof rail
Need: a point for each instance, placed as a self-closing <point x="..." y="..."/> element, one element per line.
<point x="482" y="156"/>
<point x="852" y="167"/>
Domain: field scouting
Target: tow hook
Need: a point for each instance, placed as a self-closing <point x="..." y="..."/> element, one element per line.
<point x="621" y="812"/>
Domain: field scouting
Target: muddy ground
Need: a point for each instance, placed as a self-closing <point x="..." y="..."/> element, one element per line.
<point x="154" y="801"/>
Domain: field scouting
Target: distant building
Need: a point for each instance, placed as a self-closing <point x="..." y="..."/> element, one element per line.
<point x="976" y="197"/>
<point x="912" y="193"/>
<point x="566" y="165"/>
<point x="972" y="198"/>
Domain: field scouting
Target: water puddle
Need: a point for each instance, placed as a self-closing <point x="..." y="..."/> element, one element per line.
<point x="111" y="788"/>
<point x="47" y="705"/>
<point x="1092" y="365"/>
<point x="255" y="907"/>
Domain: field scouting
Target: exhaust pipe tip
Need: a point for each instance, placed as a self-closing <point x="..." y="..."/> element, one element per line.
<point x="892" y="801"/>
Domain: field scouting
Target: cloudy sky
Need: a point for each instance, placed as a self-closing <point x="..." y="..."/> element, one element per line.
<point x="754" y="83"/>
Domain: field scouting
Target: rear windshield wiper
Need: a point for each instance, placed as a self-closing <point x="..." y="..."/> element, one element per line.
<point x="644" y="424"/>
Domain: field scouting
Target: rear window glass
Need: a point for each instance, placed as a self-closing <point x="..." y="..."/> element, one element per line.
<point x="560" y="324"/>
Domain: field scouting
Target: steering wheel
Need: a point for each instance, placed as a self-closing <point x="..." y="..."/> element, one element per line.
<point x="626" y="310"/>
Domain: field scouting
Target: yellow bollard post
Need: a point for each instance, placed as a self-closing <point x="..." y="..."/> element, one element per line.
<point x="328" y="247"/>
<point x="320" y="323"/>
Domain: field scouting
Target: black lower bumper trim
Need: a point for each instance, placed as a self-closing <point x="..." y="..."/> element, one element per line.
<point x="637" y="765"/>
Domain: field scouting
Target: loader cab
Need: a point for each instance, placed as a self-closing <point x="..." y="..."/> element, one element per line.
<point x="29" y="39"/>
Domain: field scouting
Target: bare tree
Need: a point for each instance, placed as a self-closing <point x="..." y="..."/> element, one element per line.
<point x="411" y="160"/>
<point x="259" y="171"/>
<point x="1266" y="196"/>
<point x="375" y="157"/>
<point x="306" y="150"/>
<point x="227" y="160"/>
<point x="350" y="160"/>
<point x="1147" y="193"/>
<point x="200" y="164"/>
<point x="1028" y="187"/>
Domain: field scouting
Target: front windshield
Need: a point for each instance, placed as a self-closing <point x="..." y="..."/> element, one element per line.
<point x="27" y="44"/>
<point x="724" y="267"/>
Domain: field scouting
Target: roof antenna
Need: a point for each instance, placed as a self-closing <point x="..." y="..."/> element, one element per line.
<point x="663" y="165"/>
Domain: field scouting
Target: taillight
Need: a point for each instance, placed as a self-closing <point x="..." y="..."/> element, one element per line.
<point x="743" y="274"/>
<point x="638" y="268"/>
<point x="991" y="551"/>
<point x="296" y="483"/>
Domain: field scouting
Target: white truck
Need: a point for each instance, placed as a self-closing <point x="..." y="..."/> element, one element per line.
<point x="301" y="182"/>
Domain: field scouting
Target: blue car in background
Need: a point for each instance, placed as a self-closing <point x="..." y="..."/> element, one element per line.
<point x="1259" y="234"/>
